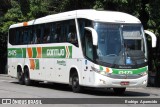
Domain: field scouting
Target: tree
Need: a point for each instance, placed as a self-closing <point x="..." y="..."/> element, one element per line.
<point x="38" y="8"/>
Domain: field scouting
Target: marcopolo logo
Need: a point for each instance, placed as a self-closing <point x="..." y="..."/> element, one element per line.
<point x="61" y="62"/>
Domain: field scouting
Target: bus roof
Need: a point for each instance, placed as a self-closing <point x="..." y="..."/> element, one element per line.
<point x="91" y="14"/>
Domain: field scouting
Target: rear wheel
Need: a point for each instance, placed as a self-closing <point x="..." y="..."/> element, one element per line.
<point x="20" y="76"/>
<point x="27" y="80"/>
<point x="119" y="91"/>
<point x="75" y="83"/>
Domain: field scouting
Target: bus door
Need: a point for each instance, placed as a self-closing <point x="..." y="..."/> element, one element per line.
<point x="87" y="74"/>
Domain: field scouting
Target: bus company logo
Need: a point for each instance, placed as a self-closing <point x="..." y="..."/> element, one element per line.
<point x="57" y="52"/>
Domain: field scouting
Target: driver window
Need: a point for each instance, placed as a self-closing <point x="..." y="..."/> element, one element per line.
<point x="88" y="45"/>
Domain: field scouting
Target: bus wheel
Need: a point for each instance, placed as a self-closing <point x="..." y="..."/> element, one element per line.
<point x="27" y="80"/>
<point x="119" y="91"/>
<point x="20" y="76"/>
<point x="75" y="83"/>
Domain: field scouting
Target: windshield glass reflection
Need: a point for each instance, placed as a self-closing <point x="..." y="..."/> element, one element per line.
<point x="119" y="44"/>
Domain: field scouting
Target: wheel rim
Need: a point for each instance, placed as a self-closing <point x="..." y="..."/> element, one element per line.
<point x="75" y="82"/>
<point x="19" y="75"/>
<point x="26" y="75"/>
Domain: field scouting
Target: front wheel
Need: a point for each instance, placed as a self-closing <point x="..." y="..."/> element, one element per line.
<point x="75" y="83"/>
<point x="119" y="91"/>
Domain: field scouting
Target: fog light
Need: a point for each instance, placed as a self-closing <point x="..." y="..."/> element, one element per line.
<point x="102" y="81"/>
<point x="143" y="73"/>
<point x="144" y="82"/>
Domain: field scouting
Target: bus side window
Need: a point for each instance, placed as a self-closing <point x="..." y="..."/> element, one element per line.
<point x="17" y="37"/>
<point x="12" y="35"/>
<point x="46" y="34"/>
<point x="37" y="36"/>
<point x="58" y="33"/>
<point x="32" y="38"/>
<point x="63" y="31"/>
<point x="55" y="32"/>
<point x="52" y="33"/>
<point x="25" y="36"/>
<point x="30" y="34"/>
<point x="21" y="37"/>
<point x="88" y="45"/>
<point x="72" y="34"/>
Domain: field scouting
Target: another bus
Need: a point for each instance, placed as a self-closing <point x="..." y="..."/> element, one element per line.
<point x="82" y="48"/>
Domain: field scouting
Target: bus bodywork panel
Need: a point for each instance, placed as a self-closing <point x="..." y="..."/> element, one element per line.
<point x="102" y="16"/>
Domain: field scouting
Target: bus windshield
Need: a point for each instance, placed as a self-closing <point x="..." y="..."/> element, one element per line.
<point x="120" y="44"/>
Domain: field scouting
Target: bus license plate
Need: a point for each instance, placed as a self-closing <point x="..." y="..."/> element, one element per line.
<point x="124" y="83"/>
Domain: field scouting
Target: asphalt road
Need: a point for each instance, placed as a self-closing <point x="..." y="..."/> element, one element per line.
<point x="9" y="88"/>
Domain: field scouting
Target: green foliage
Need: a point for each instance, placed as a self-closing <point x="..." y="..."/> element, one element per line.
<point x="154" y="13"/>
<point x="15" y="13"/>
<point x="98" y="4"/>
<point x="38" y="8"/>
<point x="12" y="16"/>
<point x="5" y="27"/>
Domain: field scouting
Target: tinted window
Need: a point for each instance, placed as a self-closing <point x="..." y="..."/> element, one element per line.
<point x="56" y="32"/>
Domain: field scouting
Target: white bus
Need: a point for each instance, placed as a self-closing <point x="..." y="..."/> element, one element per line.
<point x="82" y="48"/>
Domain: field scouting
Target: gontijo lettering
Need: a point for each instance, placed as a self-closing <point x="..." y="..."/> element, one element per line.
<point x="55" y="52"/>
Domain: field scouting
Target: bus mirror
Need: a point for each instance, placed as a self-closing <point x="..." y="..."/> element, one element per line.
<point x="153" y="37"/>
<point x="94" y="35"/>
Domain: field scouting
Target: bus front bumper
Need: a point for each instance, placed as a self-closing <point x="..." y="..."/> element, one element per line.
<point x="104" y="81"/>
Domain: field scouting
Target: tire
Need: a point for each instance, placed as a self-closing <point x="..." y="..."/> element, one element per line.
<point x="27" y="80"/>
<point x="75" y="83"/>
<point x="20" y="76"/>
<point x="119" y="91"/>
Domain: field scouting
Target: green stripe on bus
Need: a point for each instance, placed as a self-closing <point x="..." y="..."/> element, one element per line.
<point x="34" y="52"/>
<point x="24" y="52"/>
<point x="47" y="52"/>
<point x="130" y="71"/>
<point x="16" y="53"/>
<point x="70" y="51"/>
<point x="37" y="63"/>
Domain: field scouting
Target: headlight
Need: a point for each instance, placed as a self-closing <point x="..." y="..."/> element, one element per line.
<point x="103" y="72"/>
<point x="143" y="73"/>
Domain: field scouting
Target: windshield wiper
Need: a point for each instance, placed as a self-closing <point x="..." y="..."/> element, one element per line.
<point x="105" y="63"/>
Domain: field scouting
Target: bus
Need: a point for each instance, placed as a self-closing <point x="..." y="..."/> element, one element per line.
<point x="81" y="48"/>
